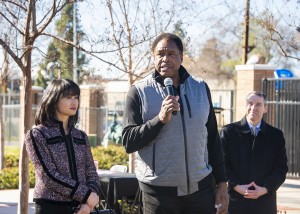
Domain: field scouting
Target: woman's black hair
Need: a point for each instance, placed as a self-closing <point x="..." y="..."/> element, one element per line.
<point x="168" y="36"/>
<point x="47" y="109"/>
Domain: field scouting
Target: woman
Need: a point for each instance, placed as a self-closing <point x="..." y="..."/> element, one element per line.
<point x="66" y="180"/>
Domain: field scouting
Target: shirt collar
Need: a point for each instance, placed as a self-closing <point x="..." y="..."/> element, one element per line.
<point x="258" y="125"/>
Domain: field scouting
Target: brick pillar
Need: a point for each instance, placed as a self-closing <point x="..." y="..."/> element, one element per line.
<point x="249" y="78"/>
<point x="37" y="94"/>
<point x="91" y="117"/>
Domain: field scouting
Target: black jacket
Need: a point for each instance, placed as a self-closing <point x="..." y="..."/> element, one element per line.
<point x="262" y="160"/>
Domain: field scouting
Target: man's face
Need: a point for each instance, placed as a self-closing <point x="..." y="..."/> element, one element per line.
<point x="167" y="59"/>
<point x="255" y="109"/>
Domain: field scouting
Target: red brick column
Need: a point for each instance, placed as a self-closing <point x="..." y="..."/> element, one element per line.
<point x="249" y="78"/>
<point x="90" y="115"/>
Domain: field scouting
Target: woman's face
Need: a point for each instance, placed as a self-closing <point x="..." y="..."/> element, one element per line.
<point x="66" y="106"/>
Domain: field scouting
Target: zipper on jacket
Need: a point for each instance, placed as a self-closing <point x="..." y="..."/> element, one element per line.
<point x="153" y="157"/>
<point x="185" y="148"/>
<point x="253" y="142"/>
<point x="252" y="147"/>
<point x="188" y="105"/>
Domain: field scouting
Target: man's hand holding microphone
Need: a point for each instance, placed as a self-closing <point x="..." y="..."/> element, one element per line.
<point x="170" y="104"/>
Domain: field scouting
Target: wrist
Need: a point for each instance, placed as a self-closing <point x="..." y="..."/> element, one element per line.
<point x="91" y="207"/>
<point x="235" y="188"/>
<point x="222" y="185"/>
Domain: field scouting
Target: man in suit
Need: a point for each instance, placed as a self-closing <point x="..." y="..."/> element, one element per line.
<point x="255" y="158"/>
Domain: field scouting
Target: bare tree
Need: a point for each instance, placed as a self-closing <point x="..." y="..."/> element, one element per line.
<point x="3" y="85"/>
<point x="280" y="27"/>
<point x="286" y="40"/>
<point x="130" y="27"/>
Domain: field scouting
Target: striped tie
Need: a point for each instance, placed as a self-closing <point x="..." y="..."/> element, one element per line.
<point x="254" y="130"/>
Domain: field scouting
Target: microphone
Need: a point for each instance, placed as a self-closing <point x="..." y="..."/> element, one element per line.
<point x="169" y="85"/>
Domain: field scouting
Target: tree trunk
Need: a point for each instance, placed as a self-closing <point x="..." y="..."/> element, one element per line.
<point x="1" y="138"/>
<point x="25" y="117"/>
<point x="3" y="86"/>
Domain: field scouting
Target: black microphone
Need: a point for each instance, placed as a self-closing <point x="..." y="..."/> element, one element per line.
<point x="169" y="85"/>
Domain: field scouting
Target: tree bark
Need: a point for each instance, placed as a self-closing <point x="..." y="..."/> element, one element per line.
<point x="25" y="125"/>
<point x="1" y="138"/>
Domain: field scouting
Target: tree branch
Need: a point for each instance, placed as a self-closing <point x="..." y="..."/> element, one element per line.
<point x="12" y="54"/>
<point x="85" y="51"/>
<point x="282" y="50"/>
<point x="55" y="9"/>
<point x="28" y="19"/>
<point x="109" y="5"/>
<point x="15" y="3"/>
<point x="11" y="23"/>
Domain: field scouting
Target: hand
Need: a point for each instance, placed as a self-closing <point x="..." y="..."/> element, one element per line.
<point x="169" y="104"/>
<point x="242" y="189"/>
<point x="93" y="200"/>
<point x="221" y="201"/>
<point x="84" y="209"/>
<point x="250" y="194"/>
<point x="256" y="192"/>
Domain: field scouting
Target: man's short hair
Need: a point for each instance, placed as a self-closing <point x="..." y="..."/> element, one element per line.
<point x="257" y="93"/>
<point x="168" y="36"/>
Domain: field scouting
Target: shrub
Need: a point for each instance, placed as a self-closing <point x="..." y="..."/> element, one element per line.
<point x="9" y="176"/>
<point x="109" y="156"/>
<point x="12" y="155"/>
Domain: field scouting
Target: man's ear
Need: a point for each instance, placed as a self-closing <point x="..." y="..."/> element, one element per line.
<point x="266" y="108"/>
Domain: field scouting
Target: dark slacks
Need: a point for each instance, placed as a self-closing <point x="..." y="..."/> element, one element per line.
<point x="200" y="202"/>
<point x="50" y="208"/>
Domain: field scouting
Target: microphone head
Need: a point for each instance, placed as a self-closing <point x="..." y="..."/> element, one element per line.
<point x="168" y="81"/>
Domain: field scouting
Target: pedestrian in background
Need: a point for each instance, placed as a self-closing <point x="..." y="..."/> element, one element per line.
<point x="256" y="160"/>
<point x="66" y="178"/>
<point x="179" y="153"/>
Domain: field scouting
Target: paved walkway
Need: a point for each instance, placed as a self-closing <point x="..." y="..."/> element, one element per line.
<point x="288" y="199"/>
<point x="9" y="201"/>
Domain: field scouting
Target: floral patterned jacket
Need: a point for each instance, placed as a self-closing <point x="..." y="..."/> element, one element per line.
<point x="64" y="167"/>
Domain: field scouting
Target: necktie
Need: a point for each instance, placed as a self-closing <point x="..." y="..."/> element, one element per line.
<point x="254" y="130"/>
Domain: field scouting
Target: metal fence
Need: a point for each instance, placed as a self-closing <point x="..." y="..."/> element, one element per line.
<point x="10" y="98"/>
<point x="98" y="120"/>
<point x="223" y="101"/>
<point x="101" y="118"/>
<point x="284" y="112"/>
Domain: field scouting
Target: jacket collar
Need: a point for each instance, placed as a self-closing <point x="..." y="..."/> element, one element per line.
<point x="57" y="124"/>
<point x="183" y="75"/>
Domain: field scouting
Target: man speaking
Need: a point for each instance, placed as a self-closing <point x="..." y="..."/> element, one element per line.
<point x="179" y="163"/>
